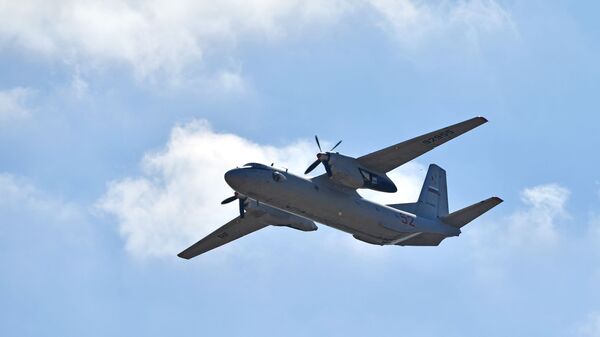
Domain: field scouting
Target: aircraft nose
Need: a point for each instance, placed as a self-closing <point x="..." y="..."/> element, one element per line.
<point x="234" y="178"/>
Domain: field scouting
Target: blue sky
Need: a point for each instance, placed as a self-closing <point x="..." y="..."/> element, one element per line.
<point x="118" y="119"/>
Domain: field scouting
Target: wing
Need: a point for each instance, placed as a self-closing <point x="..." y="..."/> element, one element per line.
<point x="257" y="216"/>
<point x="391" y="157"/>
<point x="232" y="230"/>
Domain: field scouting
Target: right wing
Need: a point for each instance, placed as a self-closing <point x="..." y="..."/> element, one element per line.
<point x="393" y="156"/>
<point x="232" y="230"/>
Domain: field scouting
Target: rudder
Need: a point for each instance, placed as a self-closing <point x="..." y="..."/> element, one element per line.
<point x="433" y="200"/>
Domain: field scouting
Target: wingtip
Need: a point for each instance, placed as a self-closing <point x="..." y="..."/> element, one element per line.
<point x="183" y="256"/>
<point x="497" y="199"/>
<point x="482" y="119"/>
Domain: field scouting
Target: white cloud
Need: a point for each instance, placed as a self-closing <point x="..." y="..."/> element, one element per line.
<point x="152" y="37"/>
<point x="177" y="198"/>
<point x="591" y="326"/>
<point x="18" y="195"/>
<point x="162" y="39"/>
<point x="13" y="104"/>
<point x="498" y="243"/>
<point x="415" y="24"/>
<point x="536" y="226"/>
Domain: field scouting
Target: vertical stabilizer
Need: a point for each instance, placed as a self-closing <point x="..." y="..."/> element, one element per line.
<point x="433" y="200"/>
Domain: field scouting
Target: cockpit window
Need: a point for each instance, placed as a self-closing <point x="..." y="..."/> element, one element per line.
<point x="258" y="166"/>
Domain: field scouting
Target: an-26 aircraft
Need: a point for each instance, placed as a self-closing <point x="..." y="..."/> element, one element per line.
<point x="270" y="196"/>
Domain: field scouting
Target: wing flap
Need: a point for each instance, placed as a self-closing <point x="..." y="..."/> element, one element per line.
<point x="393" y="156"/>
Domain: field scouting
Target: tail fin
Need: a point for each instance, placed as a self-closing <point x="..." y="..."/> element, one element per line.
<point x="434" y="193"/>
<point x="468" y="214"/>
<point x="433" y="200"/>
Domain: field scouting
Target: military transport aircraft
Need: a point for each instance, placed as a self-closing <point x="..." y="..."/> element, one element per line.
<point x="270" y="196"/>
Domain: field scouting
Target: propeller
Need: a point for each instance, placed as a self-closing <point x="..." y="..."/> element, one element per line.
<point x="322" y="157"/>
<point x="242" y="200"/>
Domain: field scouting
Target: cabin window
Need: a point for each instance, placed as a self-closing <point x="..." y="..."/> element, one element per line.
<point x="278" y="176"/>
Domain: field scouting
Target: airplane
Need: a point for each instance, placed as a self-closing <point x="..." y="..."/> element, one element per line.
<point x="271" y="196"/>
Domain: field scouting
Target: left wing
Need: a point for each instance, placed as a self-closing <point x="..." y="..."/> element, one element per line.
<point x="256" y="216"/>
<point x="393" y="156"/>
<point x="232" y="230"/>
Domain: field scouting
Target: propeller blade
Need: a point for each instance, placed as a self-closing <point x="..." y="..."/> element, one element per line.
<point x="228" y="200"/>
<point x="241" y="205"/>
<point x="336" y="145"/>
<point x="318" y="144"/>
<point x="312" y="166"/>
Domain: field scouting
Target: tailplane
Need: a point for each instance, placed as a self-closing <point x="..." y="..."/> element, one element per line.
<point x="464" y="216"/>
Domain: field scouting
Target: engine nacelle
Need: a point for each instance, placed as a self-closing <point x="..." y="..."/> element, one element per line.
<point x="348" y="172"/>
<point x="276" y="217"/>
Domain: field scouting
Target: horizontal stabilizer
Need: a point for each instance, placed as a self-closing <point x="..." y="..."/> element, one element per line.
<point x="468" y="214"/>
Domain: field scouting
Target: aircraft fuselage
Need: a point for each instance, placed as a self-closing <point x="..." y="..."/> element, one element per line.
<point x="322" y="202"/>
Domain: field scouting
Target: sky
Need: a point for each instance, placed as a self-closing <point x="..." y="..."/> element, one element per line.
<point x="118" y="119"/>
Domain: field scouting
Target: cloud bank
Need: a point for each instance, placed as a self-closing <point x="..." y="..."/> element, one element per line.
<point x="417" y="23"/>
<point x="177" y="198"/>
<point x="161" y="39"/>
<point x="156" y="37"/>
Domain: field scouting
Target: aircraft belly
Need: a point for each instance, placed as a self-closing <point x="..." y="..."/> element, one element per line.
<point x="332" y="208"/>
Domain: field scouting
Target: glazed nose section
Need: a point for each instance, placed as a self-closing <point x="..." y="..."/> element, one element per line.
<point x="235" y="178"/>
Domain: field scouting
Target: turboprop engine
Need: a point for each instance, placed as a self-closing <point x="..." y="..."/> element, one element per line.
<point x="348" y="172"/>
